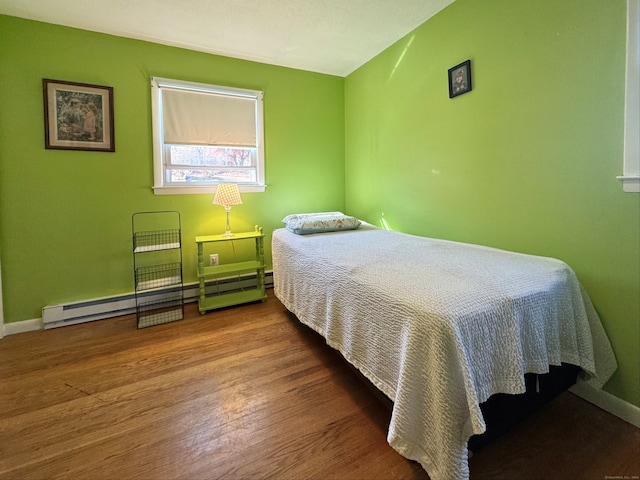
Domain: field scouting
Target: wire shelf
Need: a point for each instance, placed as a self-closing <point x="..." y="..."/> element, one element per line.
<point x="156" y="240"/>
<point x="157" y="313"/>
<point x="157" y="267"/>
<point x="157" y="276"/>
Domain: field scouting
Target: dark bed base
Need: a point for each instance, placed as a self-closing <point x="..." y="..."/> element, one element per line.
<point x="502" y="412"/>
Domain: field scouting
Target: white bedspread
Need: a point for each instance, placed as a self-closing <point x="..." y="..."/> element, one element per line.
<point x="438" y="326"/>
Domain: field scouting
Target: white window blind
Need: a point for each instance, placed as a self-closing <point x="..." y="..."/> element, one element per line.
<point x="203" y="118"/>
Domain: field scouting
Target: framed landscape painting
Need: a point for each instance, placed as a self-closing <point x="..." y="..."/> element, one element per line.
<point x="78" y="116"/>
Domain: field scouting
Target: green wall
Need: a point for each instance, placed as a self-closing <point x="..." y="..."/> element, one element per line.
<point x="65" y="216"/>
<point x="526" y="161"/>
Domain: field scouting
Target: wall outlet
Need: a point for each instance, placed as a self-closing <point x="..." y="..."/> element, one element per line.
<point x="213" y="259"/>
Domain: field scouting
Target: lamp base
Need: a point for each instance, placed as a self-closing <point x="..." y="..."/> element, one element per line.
<point x="227" y="232"/>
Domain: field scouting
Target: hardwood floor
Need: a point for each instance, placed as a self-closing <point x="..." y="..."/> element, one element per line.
<point x="244" y="393"/>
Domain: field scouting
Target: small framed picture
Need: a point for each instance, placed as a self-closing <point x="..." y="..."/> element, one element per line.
<point x="460" y="79"/>
<point x="78" y="116"/>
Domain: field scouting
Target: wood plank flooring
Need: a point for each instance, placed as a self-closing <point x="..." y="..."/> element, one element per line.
<point x="244" y="393"/>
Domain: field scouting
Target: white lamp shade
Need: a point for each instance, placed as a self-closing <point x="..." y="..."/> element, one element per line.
<point x="227" y="194"/>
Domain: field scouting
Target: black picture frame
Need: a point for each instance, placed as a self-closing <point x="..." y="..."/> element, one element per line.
<point x="460" y="79"/>
<point x="78" y="116"/>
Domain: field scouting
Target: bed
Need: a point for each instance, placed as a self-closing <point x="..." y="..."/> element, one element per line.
<point x="438" y="326"/>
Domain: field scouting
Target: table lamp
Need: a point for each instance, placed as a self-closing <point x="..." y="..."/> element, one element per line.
<point x="226" y="195"/>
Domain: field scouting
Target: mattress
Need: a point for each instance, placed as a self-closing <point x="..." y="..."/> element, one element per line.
<point x="439" y="326"/>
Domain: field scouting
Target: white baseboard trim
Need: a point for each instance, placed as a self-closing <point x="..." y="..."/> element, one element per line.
<point x="609" y="403"/>
<point x="54" y="316"/>
<point x="23" y="326"/>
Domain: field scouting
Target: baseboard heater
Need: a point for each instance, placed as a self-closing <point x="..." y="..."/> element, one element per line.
<point x="54" y="316"/>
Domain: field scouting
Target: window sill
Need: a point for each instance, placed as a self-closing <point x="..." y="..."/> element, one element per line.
<point x="209" y="189"/>
<point x="630" y="183"/>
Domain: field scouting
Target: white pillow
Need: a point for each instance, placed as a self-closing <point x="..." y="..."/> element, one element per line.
<point x="297" y="216"/>
<point x="305" y="223"/>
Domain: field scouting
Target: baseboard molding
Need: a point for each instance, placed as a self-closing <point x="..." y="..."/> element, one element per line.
<point x="23" y="326"/>
<point x="54" y="316"/>
<point x="609" y="403"/>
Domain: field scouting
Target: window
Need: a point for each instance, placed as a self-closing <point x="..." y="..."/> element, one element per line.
<point x="204" y="135"/>
<point x="631" y="176"/>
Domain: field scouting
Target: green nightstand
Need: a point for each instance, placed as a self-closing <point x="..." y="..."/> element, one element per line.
<point x="209" y="272"/>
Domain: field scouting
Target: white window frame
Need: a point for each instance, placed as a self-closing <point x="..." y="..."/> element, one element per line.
<point x="631" y="176"/>
<point x="160" y="187"/>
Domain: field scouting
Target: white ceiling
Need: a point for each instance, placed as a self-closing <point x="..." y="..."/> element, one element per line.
<point x="327" y="36"/>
